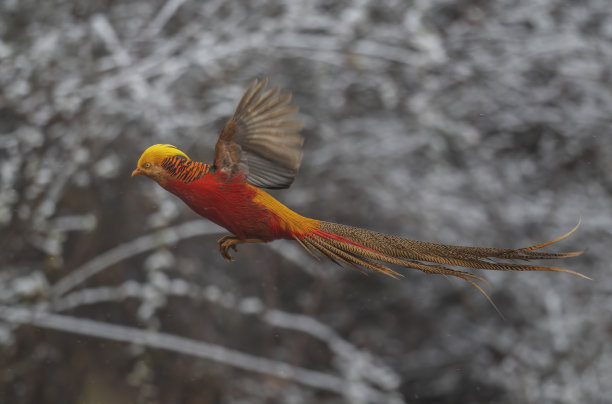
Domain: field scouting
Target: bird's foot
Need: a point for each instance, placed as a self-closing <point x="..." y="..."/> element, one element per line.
<point x="224" y="245"/>
<point x="227" y="242"/>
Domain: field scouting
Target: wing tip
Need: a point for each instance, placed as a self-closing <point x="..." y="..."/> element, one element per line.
<point x="269" y="133"/>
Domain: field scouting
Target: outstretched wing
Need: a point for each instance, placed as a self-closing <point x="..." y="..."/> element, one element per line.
<point x="262" y="138"/>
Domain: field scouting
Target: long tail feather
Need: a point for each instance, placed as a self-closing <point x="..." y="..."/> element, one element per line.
<point x="364" y="249"/>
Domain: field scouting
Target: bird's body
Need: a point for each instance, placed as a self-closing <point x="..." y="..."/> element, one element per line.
<point x="260" y="147"/>
<point x="246" y="211"/>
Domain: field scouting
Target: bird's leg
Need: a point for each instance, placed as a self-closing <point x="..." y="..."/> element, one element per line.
<point x="226" y="242"/>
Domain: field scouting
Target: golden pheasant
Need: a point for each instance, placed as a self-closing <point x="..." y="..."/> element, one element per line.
<point x="260" y="147"/>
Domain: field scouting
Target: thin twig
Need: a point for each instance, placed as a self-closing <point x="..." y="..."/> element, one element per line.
<point x="162" y="17"/>
<point x="117" y="254"/>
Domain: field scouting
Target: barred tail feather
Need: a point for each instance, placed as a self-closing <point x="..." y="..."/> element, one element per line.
<point x="364" y="249"/>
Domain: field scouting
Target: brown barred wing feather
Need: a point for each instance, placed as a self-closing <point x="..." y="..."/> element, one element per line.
<point x="262" y="138"/>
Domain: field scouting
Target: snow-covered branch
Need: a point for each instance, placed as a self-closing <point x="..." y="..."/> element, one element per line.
<point x="199" y="349"/>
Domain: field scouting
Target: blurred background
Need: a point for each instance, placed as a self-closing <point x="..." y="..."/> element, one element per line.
<point x="462" y="122"/>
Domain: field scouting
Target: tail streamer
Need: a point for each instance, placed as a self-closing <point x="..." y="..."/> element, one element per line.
<point x="364" y="249"/>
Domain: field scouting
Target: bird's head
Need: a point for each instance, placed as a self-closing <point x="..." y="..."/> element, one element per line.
<point x="150" y="163"/>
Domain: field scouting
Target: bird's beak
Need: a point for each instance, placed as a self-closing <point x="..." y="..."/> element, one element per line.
<point x="137" y="171"/>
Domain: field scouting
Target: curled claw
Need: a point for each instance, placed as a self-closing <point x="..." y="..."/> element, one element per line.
<point x="224" y="245"/>
<point x="226" y="242"/>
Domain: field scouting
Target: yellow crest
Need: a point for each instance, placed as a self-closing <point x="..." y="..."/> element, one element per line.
<point x="158" y="152"/>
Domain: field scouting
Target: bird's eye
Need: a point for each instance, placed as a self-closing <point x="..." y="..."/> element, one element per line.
<point x="147" y="165"/>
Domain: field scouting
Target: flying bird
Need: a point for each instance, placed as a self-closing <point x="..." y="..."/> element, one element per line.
<point x="261" y="147"/>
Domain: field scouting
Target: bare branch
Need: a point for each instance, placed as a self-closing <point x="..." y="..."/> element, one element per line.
<point x="167" y="236"/>
<point x="190" y="347"/>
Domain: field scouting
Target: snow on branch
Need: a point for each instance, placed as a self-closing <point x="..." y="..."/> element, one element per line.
<point x="129" y="249"/>
<point x="198" y="349"/>
<point x="359" y="364"/>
